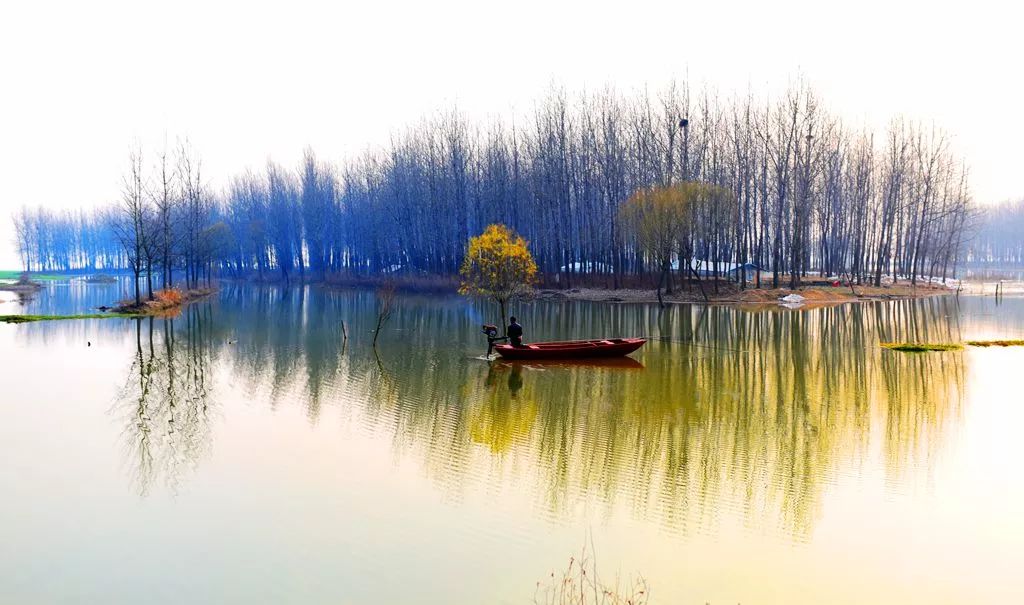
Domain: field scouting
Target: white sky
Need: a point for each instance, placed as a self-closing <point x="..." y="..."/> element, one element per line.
<point x="80" y="81"/>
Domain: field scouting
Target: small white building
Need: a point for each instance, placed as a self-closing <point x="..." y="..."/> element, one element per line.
<point x="587" y="267"/>
<point x="705" y="268"/>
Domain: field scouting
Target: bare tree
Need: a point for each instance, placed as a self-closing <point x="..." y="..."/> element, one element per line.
<point x="808" y="194"/>
<point x="385" y="307"/>
<point x="129" y="221"/>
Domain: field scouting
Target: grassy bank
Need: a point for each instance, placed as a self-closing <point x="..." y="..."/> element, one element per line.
<point x="14" y="275"/>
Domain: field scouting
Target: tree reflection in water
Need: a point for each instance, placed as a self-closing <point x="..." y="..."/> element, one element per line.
<point x="165" y="402"/>
<point x="751" y="412"/>
<point x="755" y="412"/>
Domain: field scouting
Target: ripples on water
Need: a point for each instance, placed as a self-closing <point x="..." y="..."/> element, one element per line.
<point x="731" y="428"/>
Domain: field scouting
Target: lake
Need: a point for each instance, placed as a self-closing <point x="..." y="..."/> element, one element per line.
<point x="244" y="452"/>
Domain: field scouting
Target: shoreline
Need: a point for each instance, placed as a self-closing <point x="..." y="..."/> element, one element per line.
<point x="814" y="295"/>
<point x="815" y="292"/>
<point x="165" y="302"/>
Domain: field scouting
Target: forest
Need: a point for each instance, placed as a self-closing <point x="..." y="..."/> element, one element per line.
<point x="808" y="193"/>
<point x="999" y="241"/>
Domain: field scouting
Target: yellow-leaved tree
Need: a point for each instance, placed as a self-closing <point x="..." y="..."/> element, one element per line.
<point x="667" y="221"/>
<point x="659" y="218"/>
<point x="498" y="266"/>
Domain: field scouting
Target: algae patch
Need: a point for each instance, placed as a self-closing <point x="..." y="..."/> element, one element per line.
<point x="921" y="347"/>
<point x="996" y="343"/>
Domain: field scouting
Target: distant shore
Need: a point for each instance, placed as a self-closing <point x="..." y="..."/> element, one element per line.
<point x="815" y="291"/>
<point x="21" y="288"/>
<point x="25" y="287"/>
<point x="165" y="303"/>
<point x="814" y="294"/>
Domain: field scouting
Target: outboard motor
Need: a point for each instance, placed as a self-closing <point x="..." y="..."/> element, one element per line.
<point x="492" y="337"/>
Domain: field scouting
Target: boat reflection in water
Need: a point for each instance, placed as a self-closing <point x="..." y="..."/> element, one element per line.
<point x="757" y="443"/>
<point x="727" y="411"/>
<point x="622" y="363"/>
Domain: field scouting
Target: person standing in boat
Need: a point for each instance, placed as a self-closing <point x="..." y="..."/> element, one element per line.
<point x="515" y="333"/>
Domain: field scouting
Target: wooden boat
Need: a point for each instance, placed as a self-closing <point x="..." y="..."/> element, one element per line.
<point x="572" y="349"/>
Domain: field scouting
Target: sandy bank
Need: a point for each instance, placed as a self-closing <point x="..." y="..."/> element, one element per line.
<point x="815" y="295"/>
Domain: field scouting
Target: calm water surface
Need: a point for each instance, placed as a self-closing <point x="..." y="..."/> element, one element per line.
<point x="241" y="453"/>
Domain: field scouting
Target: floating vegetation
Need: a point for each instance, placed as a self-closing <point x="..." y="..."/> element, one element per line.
<point x="21" y="319"/>
<point x="996" y="343"/>
<point x="921" y="347"/>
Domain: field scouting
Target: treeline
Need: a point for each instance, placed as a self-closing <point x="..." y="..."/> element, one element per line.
<point x="66" y="241"/>
<point x="167" y="223"/>
<point x="1000" y="238"/>
<point x="809" y="194"/>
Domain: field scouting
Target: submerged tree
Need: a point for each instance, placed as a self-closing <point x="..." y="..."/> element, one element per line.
<point x="386" y="306"/>
<point x="498" y="266"/>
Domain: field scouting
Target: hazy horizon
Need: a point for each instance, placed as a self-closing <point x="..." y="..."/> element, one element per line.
<point x="245" y="83"/>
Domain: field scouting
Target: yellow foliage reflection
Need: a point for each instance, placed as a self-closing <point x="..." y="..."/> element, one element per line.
<point x="725" y="413"/>
<point x="754" y="412"/>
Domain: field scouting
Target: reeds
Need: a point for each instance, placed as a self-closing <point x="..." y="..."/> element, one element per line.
<point x="578" y="584"/>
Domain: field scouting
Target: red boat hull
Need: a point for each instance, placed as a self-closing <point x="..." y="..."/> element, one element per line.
<point x="623" y="362"/>
<point x="572" y="349"/>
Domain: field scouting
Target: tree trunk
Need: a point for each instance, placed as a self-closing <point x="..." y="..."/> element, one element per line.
<point x="661" y="280"/>
<point x="700" y="283"/>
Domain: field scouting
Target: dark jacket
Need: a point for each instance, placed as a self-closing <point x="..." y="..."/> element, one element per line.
<point x="515" y="334"/>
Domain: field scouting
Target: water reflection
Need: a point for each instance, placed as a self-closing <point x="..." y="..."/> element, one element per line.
<point x="748" y="412"/>
<point x="165" y="403"/>
<point x="726" y="412"/>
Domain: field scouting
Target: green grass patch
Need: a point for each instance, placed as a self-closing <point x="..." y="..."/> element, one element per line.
<point x="21" y="319"/>
<point x="920" y="347"/>
<point x="996" y="343"/>
<point x="14" y="275"/>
